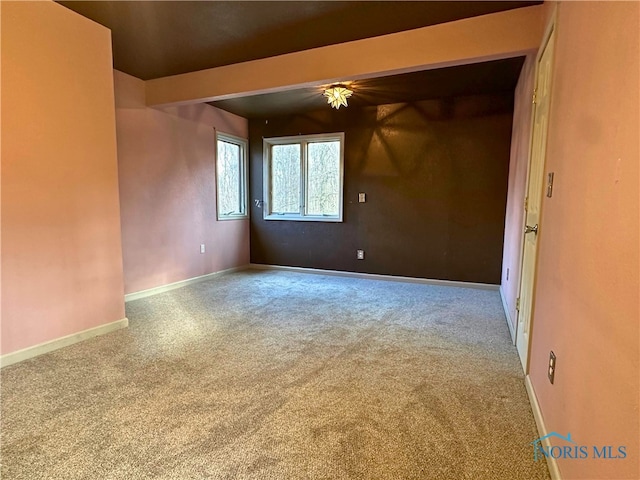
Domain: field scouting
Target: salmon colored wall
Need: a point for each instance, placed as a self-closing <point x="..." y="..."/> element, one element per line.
<point x="166" y="161"/>
<point x="587" y="289"/>
<point x="519" y="159"/>
<point x="61" y="251"/>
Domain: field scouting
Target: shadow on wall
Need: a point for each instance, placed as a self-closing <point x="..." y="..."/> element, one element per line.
<point x="435" y="174"/>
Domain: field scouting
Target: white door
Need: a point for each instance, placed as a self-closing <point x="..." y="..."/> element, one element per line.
<point x="533" y="201"/>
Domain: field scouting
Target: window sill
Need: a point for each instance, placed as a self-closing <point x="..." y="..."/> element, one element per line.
<point x="309" y="218"/>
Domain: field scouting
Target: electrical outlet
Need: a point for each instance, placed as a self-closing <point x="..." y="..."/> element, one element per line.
<point x="360" y="254"/>
<point x="551" y="372"/>
<point x="362" y="197"/>
<point x="202" y="248"/>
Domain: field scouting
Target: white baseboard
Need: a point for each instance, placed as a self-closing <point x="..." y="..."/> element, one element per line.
<point x="508" y="315"/>
<point x="375" y="276"/>
<point x="542" y="429"/>
<point x="51" y="345"/>
<point x="182" y="283"/>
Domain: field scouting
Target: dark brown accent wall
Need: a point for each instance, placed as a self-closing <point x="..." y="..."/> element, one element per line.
<point x="435" y="174"/>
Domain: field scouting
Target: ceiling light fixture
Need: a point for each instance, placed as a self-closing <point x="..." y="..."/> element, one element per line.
<point x="337" y="95"/>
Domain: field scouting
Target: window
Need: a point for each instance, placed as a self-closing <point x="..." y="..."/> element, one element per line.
<point x="231" y="177"/>
<point x="303" y="177"/>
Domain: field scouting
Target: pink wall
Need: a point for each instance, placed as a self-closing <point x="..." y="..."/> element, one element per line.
<point x="61" y="252"/>
<point x="166" y="160"/>
<point x="514" y="220"/>
<point x="586" y="306"/>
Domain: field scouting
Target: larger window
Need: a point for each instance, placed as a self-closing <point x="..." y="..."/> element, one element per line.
<point x="231" y="177"/>
<point x="303" y="177"/>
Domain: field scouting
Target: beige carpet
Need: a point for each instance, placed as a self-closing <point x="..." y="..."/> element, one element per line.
<point x="280" y="375"/>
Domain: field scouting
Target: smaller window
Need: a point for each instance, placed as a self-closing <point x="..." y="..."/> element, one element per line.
<point x="231" y="177"/>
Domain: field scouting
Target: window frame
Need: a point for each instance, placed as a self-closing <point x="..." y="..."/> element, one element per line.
<point x="302" y="140"/>
<point x="244" y="181"/>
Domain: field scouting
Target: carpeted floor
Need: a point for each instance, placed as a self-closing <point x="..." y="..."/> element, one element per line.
<point x="280" y="375"/>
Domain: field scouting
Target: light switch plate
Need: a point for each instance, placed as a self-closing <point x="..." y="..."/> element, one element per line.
<point x="362" y="197"/>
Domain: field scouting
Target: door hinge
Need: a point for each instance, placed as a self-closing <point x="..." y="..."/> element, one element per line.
<point x="526" y="203"/>
<point x="518" y="304"/>
<point x="534" y="97"/>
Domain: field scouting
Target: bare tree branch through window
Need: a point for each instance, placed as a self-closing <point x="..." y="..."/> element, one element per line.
<point x="304" y="179"/>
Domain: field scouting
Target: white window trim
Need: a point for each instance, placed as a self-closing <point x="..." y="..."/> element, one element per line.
<point x="300" y="139"/>
<point x="243" y="144"/>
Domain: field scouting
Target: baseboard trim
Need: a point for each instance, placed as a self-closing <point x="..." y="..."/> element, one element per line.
<point x="51" y="345"/>
<point x="542" y="429"/>
<point x="129" y="297"/>
<point x="508" y="315"/>
<point x="375" y="276"/>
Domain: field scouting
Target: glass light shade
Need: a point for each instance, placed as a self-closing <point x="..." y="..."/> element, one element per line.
<point x="337" y="96"/>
